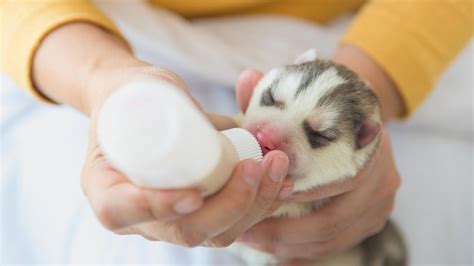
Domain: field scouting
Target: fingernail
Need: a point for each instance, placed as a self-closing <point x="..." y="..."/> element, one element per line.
<point x="251" y="174"/>
<point x="187" y="205"/>
<point x="278" y="168"/>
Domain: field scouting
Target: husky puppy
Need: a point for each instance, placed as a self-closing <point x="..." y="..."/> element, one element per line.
<point x="328" y="122"/>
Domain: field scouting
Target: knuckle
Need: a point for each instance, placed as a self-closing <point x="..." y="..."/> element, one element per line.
<point x="150" y="238"/>
<point x="105" y="215"/>
<point x="189" y="238"/>
<point x="147" y="234"/>
<point x="397" y="181"/>
<point x="135" y="231"/>
<point x="190" y="241"/>
<point x="136" y="198"/>
<point x="389" y="187"/>
<point x="123" y="231"/>
<point x="394" y="180"/>
<point x="221" y="242"/>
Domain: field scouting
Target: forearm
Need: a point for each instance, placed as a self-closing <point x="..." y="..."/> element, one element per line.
<point x="70" y="57"/>
<point x="80" y="65"/>
<point x="383" y="86"/>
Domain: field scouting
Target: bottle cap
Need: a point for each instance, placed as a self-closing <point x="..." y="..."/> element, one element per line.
<point x="245" y="144"/>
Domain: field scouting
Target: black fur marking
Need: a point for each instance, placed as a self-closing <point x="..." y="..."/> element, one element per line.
<point x="319" y="139"/>
<point x="268" y="100"/>
<point x="311" y="71"/>
<point x="353" y="100"/>
<point x="378" y="250"/>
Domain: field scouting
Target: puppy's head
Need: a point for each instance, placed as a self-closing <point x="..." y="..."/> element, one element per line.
<point x="320" y="114"/>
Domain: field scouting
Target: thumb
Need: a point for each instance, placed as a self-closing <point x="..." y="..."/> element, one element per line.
<point x="245" y="85"/>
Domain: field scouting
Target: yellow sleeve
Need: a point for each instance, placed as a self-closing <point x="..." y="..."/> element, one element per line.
<point x="26" y="22"/>
<point x="414" y="41"/>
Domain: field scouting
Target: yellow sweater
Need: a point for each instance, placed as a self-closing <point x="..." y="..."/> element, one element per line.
<point x="413" y="40"/>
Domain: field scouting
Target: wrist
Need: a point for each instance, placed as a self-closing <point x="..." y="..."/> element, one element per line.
<point x="67" y="57"/>
<point x="105" y="80"/>
<point x="80" y="64"/>
<point x="367" y="69"/>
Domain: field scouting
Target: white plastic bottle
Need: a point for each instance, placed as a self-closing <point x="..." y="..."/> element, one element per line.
<point x="151" y="131"/>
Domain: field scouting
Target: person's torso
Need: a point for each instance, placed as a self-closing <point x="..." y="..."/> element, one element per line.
<point x="315" y="10"/>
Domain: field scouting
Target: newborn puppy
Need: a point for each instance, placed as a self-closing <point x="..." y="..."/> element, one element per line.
<point x="328" y="122"/>
<point x="322" y="116"/>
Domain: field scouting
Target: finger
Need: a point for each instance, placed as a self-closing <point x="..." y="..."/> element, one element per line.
<point x="223" y="209"/>
<point x="118" y="203"/>
<point x="321" y="225"/>
<point x="369" y="224"/>
<point x="125" y="204"/>
<point x="285" y="191"/>
<point x="245" y="85"/>
<point x="275" y="165"/>
<point x="327" y="191"/>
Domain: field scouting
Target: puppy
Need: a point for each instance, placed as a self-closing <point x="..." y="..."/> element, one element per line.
<point x="328" y="122"/>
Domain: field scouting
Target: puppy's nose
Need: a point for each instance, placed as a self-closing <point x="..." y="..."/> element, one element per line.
<point x="270" y="140"/>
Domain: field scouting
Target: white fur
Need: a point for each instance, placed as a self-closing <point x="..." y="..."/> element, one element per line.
<point x="306" y="101"/>
<point x="287" y="87"/>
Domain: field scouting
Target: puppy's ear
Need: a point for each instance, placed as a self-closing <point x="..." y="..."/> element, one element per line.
<point x="307" y="56"/>
<point x="367" y="132"/>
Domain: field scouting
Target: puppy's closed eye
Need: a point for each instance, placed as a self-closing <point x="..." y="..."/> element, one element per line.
<point x="268" y="100"/>
<point x="318" y="138"/>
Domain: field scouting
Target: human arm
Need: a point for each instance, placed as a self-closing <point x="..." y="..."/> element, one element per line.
<point x="78" y="59"/>
<point x="99" y="66"/>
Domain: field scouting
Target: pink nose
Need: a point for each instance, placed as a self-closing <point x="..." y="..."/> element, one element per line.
<point x="270" y="140"/>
